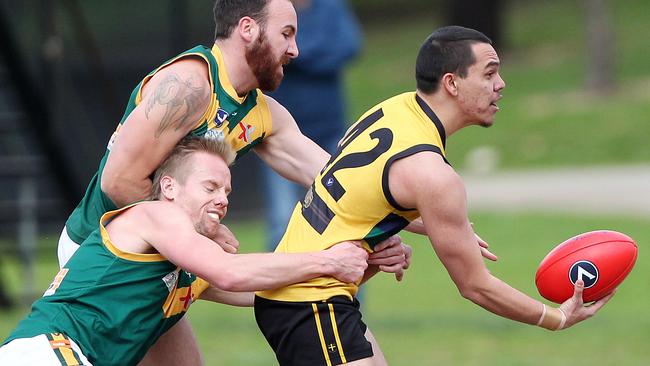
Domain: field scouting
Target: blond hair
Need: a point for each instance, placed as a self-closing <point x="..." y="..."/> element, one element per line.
<point x="176" y="164"/>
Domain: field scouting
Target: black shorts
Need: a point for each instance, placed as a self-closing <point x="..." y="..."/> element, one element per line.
<point x="313" y="333"/>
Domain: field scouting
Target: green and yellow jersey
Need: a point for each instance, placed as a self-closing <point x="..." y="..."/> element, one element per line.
<point x="112" y="303"/>
<point x="243" y="121"/>
<point x="350" y="199"/>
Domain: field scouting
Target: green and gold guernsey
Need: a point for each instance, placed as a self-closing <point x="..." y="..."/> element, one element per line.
<point x="350" y="198"/>
<point x="113" y="304"/>
<point x="243" y="121"/>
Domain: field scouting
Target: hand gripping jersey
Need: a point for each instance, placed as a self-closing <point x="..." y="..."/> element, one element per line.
<point x="350" y="198"/>
<point x="113" y="304"/>
<point x="243" y="121"/>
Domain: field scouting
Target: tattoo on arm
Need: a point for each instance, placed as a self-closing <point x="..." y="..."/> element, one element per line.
<point x="179" y="98"/>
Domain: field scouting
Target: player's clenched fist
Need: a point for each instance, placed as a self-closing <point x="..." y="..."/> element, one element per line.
<point x="349" y="261"/>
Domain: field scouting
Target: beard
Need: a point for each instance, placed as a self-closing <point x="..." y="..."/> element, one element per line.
<point x="263" y="65"/>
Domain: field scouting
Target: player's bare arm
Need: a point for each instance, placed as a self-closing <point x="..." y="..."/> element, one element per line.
<point x="417" y="227"/>
<point x="172" y="103"/>
<point x="165" y="227"/>
<point x="287" y="151"/>
<point x="214" y="294"/>
<point x="439" y="195"/>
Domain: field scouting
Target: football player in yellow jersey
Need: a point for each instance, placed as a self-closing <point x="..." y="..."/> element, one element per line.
<point x="389" y="169"/>
<point x="254" y="39"/>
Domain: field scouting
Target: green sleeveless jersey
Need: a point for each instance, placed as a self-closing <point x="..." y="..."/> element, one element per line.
<point x="113" y="304"/>
<point x="350" y="198"/>
<point x="243" y="121"/>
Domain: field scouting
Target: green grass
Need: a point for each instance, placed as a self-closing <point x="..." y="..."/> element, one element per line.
<point x="547" y="116"/>
<point x="424" y="321"/>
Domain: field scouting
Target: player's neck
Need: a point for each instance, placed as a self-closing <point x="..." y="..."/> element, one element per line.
<point x="240" y="75"/>
<point x="445" y="111"/>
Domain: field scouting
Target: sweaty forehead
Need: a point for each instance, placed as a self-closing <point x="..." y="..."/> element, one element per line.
<point x="485" y="55"/>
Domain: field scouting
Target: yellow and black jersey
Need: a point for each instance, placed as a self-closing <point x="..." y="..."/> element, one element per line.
<point x="350" y="199"/>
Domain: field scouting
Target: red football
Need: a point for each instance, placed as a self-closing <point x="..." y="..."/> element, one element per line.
<point x="601" y="258"/>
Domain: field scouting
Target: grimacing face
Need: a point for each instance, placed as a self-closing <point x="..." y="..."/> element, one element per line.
<point x="204" y="194"/>
<point x="275" y="45"/>
<point x="480" y="90"/>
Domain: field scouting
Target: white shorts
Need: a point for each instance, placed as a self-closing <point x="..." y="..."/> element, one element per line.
<point x="66" y="248"/>
<point x="42" y="351"/>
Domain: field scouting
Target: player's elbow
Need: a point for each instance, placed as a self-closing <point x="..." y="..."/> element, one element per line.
<point x="123" y="190"/>
<point x="110" y="185"/>
<point x="474" y="290"/>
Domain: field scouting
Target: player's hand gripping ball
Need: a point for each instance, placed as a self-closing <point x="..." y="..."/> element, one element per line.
<point x="602" y="259"/>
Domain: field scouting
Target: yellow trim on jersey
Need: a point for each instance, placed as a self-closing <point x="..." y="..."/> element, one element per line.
<point x="224" y="80"/>
<point x="320" y="335"/>
<point x="106" y="240"/>
<point x="178" y="302"/>
<point x="61" y="344"/>
<point x="335" y="328"/>
<point x="265" y="113"/>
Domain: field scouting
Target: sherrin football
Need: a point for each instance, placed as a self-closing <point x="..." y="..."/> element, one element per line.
<point x="602" y="259"/>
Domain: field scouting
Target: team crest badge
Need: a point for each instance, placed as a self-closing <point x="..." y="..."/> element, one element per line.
<point x="215" y="134"/>
<point x="308" y="197"/>
<point x="220" y="118"/>
<point x="170" y="280"/>
<point x="247" y="131"/>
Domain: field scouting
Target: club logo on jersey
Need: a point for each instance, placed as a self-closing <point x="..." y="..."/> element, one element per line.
<point x="215" y="134"/>
<point x="220" y="118"/>
<point x="247" y="130"/>
<point x="170" y="280"/>
<point x="309" y="196"/>
<point x="585" y="271"/>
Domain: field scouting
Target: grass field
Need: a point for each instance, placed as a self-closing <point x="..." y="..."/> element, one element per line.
<point x="423" y="320"/>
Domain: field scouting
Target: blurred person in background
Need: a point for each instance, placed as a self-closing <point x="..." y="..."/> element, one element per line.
<point x="313" y="92"/>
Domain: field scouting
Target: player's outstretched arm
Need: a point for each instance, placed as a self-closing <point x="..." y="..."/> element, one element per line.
<point x="170" y="232"/>
<point x="173" y="101"/>
<point x="417" y="227"/>
<point x="439" y="195"/>
<point x="289" y="152"/>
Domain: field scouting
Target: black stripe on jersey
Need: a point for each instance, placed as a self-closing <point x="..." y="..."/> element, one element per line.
<point x="384" y="138"/>
<point x="356" y="130"/>
<point x="317" y="214"/>
<point x="432" y="116"/>
<point x="408" y="152"/>
<point x="387" y="227"/>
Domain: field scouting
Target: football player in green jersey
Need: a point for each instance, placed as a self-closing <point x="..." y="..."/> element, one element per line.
<point x="215" y="92"/>
<point x="138" y="273"/>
